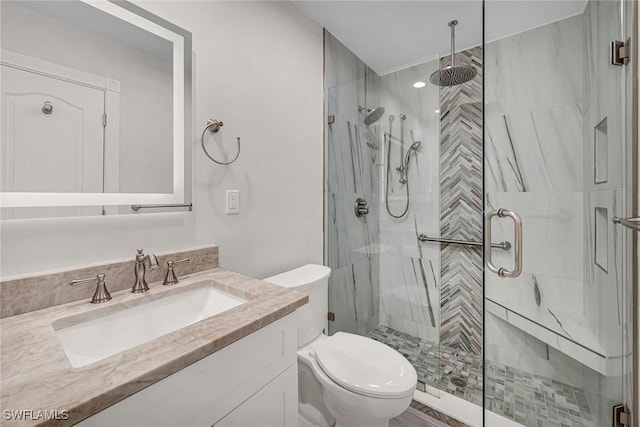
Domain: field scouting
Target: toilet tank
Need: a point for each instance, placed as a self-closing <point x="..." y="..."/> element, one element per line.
<point x="313" y="280"/>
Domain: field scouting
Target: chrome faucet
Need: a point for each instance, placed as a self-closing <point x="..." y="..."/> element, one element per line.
<point x="140" y="269"/>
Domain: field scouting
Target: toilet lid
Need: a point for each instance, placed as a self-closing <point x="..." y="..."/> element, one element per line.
<point x="365" y="366"/>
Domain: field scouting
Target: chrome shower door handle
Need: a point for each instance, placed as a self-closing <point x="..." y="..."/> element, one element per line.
<point x="517" y="221"/>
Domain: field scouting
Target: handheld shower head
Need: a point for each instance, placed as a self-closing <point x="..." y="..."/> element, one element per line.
<point x="414" y="147"/>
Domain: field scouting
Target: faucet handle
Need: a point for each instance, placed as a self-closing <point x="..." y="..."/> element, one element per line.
<point x="170" y="278"/>
<point x="101" y="294"/>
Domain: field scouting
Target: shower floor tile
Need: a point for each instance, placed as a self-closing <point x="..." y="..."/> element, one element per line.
<point x="526" y="398"/>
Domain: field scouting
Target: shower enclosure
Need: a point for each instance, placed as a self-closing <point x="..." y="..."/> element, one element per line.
<point x="521" y="166"/>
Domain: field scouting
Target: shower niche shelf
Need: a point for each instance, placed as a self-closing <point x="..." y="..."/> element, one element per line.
<point x="600" y="157"/>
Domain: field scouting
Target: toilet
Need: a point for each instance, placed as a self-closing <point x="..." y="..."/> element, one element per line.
<point x="344" y="379"/>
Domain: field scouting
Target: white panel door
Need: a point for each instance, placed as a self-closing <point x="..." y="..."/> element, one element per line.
<point x="61" y="151"/>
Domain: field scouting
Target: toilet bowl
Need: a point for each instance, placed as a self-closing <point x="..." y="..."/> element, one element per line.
<point x="348" y="379"/>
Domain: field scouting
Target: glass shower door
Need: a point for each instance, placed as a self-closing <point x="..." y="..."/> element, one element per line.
<point x="557" y="269"/>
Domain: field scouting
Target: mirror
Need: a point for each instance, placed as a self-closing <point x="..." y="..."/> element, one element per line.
<point x="96" y="100"/>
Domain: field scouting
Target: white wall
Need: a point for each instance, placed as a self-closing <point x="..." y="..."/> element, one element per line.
<point x="258" y="67"/>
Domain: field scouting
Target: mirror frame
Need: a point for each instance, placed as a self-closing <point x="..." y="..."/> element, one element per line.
<point x="182" y="123"/>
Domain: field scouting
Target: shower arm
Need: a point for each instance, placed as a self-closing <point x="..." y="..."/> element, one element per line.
<point x="453" y="24"/>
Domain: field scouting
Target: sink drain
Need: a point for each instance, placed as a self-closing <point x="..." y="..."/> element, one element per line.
<point x="458" y="382"/>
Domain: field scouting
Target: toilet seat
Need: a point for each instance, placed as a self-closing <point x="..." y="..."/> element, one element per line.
<point x="366" y="367"/>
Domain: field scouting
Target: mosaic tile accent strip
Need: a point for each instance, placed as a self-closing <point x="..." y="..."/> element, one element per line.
<point x="461" y="208"/>
<point x="528" y="399"/>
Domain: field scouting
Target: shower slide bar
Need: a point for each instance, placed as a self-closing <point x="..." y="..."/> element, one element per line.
<point x="138" y="207"/>
<point x="502" y="245"/>
<point x="632" y="223"/>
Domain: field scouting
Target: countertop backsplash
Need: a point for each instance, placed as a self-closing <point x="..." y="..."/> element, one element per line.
<point x="32" y="292"/>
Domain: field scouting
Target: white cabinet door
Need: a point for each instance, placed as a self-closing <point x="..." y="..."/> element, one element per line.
<point x="276" y="405"/>
<point x="60" y="151"/>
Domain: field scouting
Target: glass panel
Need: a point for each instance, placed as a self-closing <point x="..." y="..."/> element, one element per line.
<point x="384" y="282"/>
<point x="555" y="154"/>
<point x="418" y="164"/>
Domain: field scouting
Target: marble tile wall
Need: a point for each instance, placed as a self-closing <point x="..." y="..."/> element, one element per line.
<point x="461" y="207"/>
<point x="352" y="155"/>
<point x="603" y="273"/>
<point x="606" y="193"/>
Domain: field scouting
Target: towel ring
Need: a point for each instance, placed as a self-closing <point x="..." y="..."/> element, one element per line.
<point x="214" y="126"/>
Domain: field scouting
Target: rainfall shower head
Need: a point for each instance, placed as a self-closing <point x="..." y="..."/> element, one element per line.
<point x="372" y="115"/>
<point x="452" y="75"/>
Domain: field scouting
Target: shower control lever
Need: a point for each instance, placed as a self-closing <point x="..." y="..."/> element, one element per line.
<point x="361" y="208"/>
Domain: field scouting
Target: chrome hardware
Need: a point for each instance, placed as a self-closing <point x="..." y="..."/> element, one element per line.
<point x="138" y="207"/>
<point x="620" y="52"/>
<point x="502" y="245"/>
<point x="47" y="107"/>
<point x="101" y="294"/>
<point x="140" y="269"/>
<point x="214" y="126"/>
<point x="361" y="208"/>
<point x="502" y="213"/>
<point x="331" y="119"/>
<point x="632" y="223"/>
<point x="170" y="278"/>
<point x="621" y="416"/>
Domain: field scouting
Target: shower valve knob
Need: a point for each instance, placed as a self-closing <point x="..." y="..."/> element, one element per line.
<point x="361" y="207"/>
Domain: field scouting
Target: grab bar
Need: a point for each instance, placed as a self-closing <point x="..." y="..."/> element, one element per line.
<point x="502" y="245"/>
<point x="138" y="207"/>
<point x="632" y="223"/>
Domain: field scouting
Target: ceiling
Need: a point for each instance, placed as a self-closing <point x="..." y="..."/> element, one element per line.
<point x="393" y="35"/>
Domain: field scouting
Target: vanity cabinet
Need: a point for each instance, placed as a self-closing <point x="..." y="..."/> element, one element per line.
<point x="269" y="407"/>
<point x="251" y="382"/>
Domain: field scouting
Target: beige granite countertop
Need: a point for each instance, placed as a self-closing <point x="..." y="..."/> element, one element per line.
<point x="36" y="375"/>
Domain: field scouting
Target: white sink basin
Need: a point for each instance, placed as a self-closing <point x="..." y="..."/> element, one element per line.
<point x="96" y="339"/>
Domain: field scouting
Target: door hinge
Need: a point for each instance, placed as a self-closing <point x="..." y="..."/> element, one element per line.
<point x="621" y="416"/>
<point x="331" y="316"/>
<point x="620" y="52"/>
<point x="331" y="119"/>
<point x="104" y="120"/>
